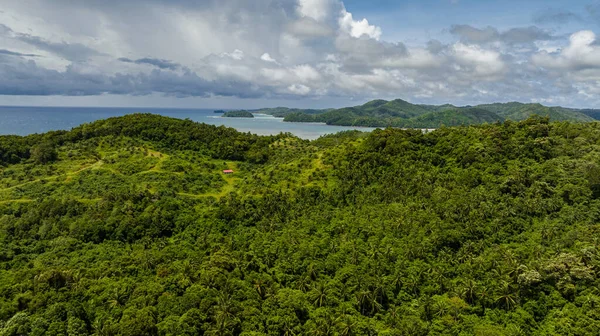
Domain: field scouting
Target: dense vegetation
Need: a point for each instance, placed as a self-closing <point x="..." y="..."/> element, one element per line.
<point x="399" y="113"/>
<point x="281" y="112"/>
<point x="238" y="114"/>
<point x="127" y="227"/>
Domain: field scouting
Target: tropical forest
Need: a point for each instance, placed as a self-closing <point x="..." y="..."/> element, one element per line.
<point x="129" y="226"/>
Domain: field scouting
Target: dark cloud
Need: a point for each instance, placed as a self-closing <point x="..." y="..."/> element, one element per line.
<point x="71" y="51"/>
<point x="159" y="63"/>
<point x="525" y="35"/>
<point x="14" y="53"/>
<point x="27" y="78"/>
<point x="4" y="29"/>
<point x="556" y="16"/>
<point x="489" y="34"/>
<point x="309" y="28"/>
<point x="435" y="46"/>
<point x="475" y="35"/>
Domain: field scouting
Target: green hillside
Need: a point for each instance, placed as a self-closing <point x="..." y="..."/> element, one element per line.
<point x="238" y="114"/>
<point x="128" y="226"/>
<point x="519" y="111"/>
<point x="593" y="113"/>
<point x="281" y="112"/>
<point x="454" y="117"/>
<point x="399" y="113"/>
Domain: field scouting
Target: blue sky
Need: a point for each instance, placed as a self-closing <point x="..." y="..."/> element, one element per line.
<point x="302" y="53"/>
<point x="429" y="18"/>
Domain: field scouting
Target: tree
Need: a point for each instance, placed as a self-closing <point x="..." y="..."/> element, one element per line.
<point x="44" y="153"/>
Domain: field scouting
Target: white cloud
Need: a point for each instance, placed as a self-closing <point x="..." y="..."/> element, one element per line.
<point x="580" y="55"/>
<point x="237" y="55"/>
<point x="315" y="9"/>
<point x="417" y="58"/>
<point x="306" y="73"/>
<point x="267" y="58"/>
<point x="484" y="62"/>
<point x="299" y="89"/>
<point x="358" y="28"/>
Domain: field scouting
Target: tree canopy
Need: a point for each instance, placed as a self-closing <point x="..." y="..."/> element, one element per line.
<point x="132" y="229"/>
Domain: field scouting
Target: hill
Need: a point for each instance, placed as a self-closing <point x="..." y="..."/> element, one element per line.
<point x="127" y="226"/>
<point x="399" y="113"/>
<point x="593" y="113"/>
<point x="238" y="114"/>
<point x="281" y="112"/>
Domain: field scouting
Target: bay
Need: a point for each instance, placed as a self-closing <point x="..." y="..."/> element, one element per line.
<point x="23" y="120"/>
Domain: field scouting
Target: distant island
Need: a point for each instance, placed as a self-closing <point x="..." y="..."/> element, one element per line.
<point x="219" y="111"/>
<point x="400" y="113"/>
<point x="238" y="114"/>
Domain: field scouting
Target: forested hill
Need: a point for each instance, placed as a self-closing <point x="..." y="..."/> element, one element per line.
<point x="128" y="226"/>
<point x="238" y="114"/>
<point x="399" y="113"/>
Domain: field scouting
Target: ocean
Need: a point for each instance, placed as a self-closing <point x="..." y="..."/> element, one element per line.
<point x="21" y="120"/>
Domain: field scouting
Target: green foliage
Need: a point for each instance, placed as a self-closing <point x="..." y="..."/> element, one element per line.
<point x="44" y="153"/>
<point x="281" y="112"/>
<point x="399" y="113"/>
<point x="238" y="114"/>
<point x="134" y="230"/>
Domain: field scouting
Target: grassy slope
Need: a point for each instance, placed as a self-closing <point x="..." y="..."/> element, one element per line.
<point x="123" y="162"/>
<point x="126" y="162"/>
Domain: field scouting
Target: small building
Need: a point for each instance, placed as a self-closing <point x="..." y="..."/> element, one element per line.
<point x="228" y="172"/>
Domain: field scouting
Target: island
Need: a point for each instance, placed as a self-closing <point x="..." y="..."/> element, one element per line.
<point x="238" y="114"/>
<point x="402" y="114"/>
<point x="219" y="111"/>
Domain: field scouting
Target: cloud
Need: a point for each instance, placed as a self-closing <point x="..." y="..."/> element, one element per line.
<point x="27" y="78"/>
<point x="4" y="29"/>
<point x="556" y="16"/>
<point x="358" y="28"/>
<point x="267" y="58"/>
<point x="519" y="35"/>
<point x="159" y="63"/>
<point x="14" y="53"/>
<point x="582" y="55"/>
<point x="319" y="10"/>
<point x="485" y="63"/>
<point x="309" y="28"/>
<point x="237" y="55"/>
<point x="299" y="89"/>
<point x="279" y="49"/>
<point x="306" y="73"/>
<point x="69" y="51"/>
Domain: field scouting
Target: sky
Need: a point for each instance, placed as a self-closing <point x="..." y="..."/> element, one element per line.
<point x="298" y="53"/>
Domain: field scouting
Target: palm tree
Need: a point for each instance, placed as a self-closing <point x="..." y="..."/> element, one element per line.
<point x="468" y="291"/>
<point x="319" y="294"/>
<point x="506" y="296"/>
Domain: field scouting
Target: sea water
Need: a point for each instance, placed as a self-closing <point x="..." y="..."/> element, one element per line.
<point x="20" y="120"/>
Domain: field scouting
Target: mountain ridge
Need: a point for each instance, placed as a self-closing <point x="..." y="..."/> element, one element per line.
<point x="401" y="113"/>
